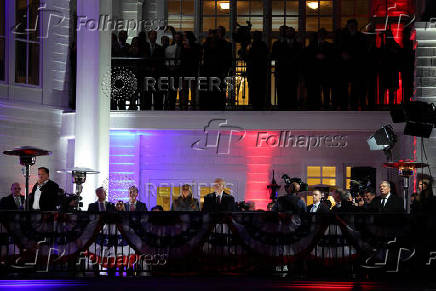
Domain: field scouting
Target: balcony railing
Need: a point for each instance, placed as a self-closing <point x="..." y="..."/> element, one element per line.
<point x="135" y="86"/>
<point x="353" y="245"/>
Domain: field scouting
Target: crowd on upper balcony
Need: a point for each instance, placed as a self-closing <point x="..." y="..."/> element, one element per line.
<point x="345" y="69"/>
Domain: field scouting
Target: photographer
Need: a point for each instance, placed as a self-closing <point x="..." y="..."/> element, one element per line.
<point x="291" y="202"/>
<point x="343" y="201"/>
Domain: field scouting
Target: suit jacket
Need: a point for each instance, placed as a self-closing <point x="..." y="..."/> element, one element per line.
<point x="8" y="203"/>
<point x="185" y="204"/>
<point x="393" y="204"/>
<point x="93" y="207"/>
<point x="289" y="203"/>
<point x="139" y="207"/>
<point x="322" y="208"/>
<point x="373" y="206"/>
<point x="49" y="196"/>
<point x="211" y="205"/>
<point x="345" y="206"/>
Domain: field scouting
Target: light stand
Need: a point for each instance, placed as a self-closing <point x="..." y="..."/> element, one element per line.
<point x="79" y="178"/>
<point x="405" y="170"/>
<point x="27" y="157"/>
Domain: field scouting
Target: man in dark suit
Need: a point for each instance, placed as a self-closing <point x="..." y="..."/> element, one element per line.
<point x="371" y="202"/>
<point x="101" y="205"/>
<point x="317" y="207"/>
<point x="153" y="69"/>
<point x="290" y="202"/>
<point x="133" y="205"/>
<point x="44" y="194"/>
<point x="388" y="201"/>
<point x="219" y="200"/>
<point x="343" y="201"/>
<point x="14" y="201"/>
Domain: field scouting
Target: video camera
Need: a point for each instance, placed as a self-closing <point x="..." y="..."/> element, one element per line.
<point x="242" y="206"/>
<point x="289" y="181"/>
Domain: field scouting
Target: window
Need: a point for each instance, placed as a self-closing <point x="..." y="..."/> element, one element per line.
<point x="358" y="9"/>
<point x="347" y="177"/>
<point x="163" y="198"/>
<point x="216" y="13"/>
<point x="321" y="175"/>
<point x="27" y="42"/>
<point x="250" y="10"/>
<point x="284" y="12"/>
<point x="319" y="14"/>
<point x="2" y="41"/>
<point x="181" y="14"/>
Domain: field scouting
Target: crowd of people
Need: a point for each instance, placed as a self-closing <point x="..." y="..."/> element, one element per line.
<point x="45" y="197"/>
<point x="340" y="70"/>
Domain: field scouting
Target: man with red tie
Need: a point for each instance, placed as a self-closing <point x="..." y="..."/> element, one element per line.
<point x="133" y="205"/>
<point x="218" y="200"/>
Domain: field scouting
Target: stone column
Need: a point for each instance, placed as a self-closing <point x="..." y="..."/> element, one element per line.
<point x="92" y="106"/>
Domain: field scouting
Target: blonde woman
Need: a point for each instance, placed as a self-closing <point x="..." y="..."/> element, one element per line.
<point x="185" y="202"/>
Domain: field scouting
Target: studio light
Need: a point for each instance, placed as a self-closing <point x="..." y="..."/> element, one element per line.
<point x="420" y="118"/>
<point x="383" y="139"/>
<point x="418" y="129"/>
<point x="312" y="5"/>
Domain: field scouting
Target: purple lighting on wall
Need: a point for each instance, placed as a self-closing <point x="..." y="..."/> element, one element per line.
<point x="39" y="284"/>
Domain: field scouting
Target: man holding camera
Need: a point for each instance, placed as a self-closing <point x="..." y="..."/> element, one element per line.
<point x="290" y="202"/>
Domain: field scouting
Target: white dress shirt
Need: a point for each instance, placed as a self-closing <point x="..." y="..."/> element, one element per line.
<point x="38" y="195"/>
<point x="384" y="200"/>
<point x="314" y="207"/>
